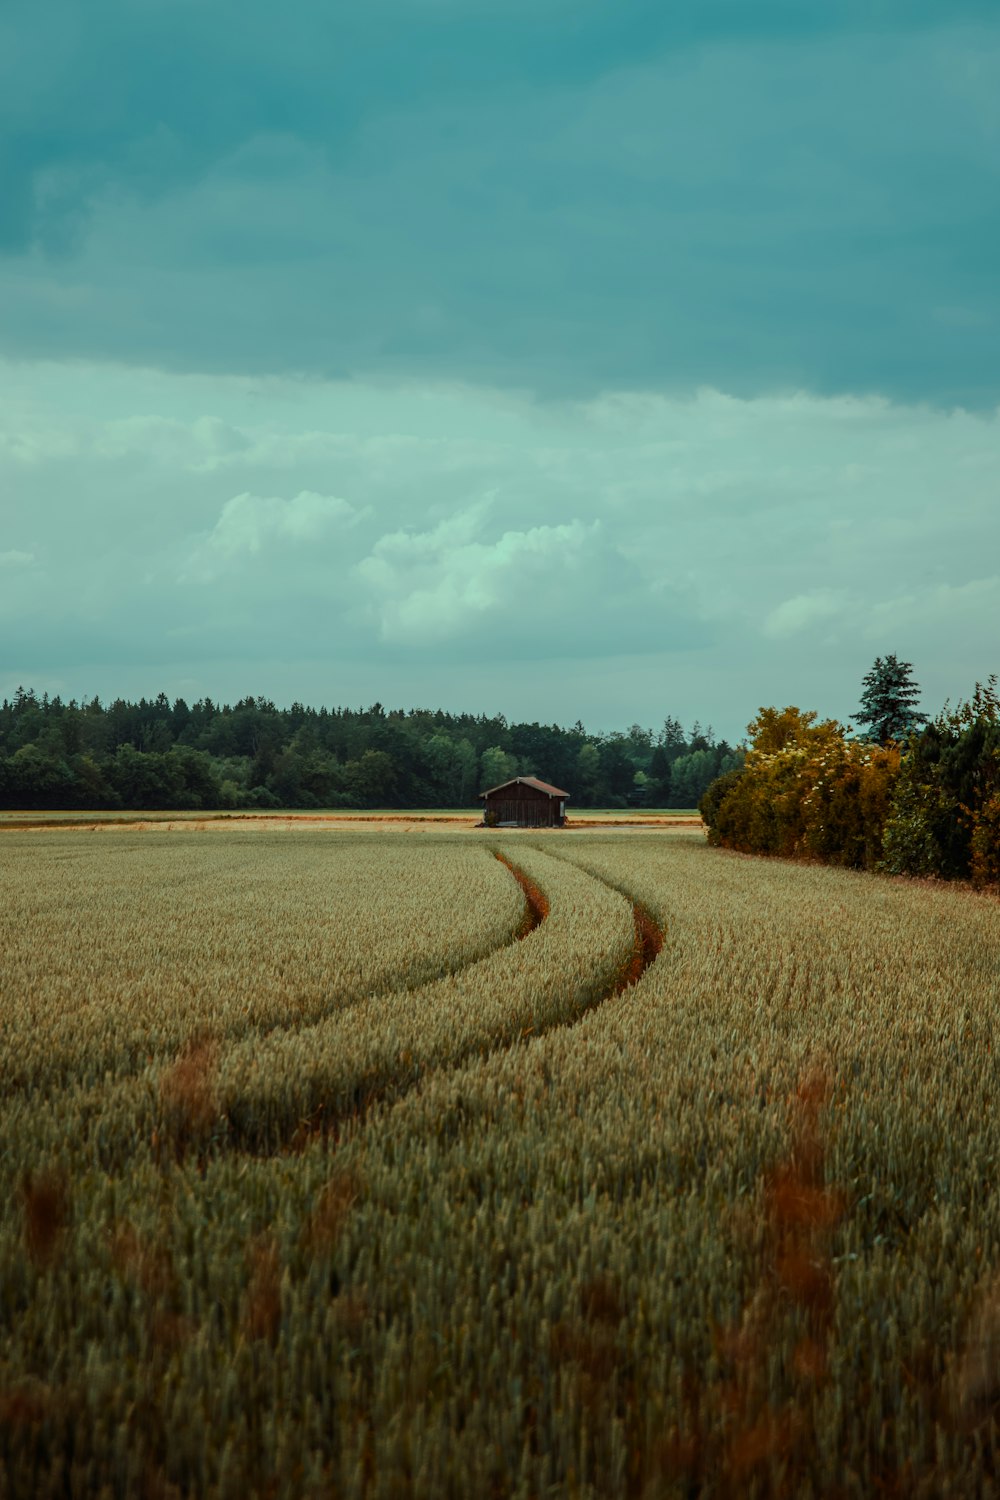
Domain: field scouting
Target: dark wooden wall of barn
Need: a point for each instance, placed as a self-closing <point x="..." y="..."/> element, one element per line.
<point x="523" y="804"/>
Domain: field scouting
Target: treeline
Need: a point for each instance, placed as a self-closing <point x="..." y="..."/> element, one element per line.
<point x="926" y="803"/>
<point x="158" y="754"/>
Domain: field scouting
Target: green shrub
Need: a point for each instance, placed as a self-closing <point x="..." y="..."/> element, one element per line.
<point x="714" y="795"/>
<point x="943" y="819"/>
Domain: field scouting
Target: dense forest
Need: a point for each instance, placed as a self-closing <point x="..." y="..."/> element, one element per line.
<point x="158" y="754"/>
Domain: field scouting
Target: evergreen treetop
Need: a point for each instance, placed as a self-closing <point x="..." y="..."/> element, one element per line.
<point x="889" y="700"/>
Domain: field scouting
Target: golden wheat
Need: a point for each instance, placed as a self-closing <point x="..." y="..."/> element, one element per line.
<point x="117" y="950"/>
<point x="735" y="1230"/>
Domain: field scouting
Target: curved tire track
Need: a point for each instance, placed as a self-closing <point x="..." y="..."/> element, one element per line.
<point x="536" y="901"/>
<point x="333" y="1114"/>
<point x="536" y="909"/>
<point x="649" y="935"/>
<point x="648" y="943"/>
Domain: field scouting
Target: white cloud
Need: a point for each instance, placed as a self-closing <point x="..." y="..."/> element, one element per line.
<point x="956" y="606"/>
<point x="804" y="611"/>
<point x="30" y="449"/>
<point x="204" y="443"/>
<point x="747" y="551"/>
<point x="430" y="586"/>
<point x="248" y="523"/>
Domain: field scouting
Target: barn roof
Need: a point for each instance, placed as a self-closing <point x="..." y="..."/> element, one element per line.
<point x="540" y="786"/>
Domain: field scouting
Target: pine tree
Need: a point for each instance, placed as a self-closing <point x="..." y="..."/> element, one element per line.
<point x="889" y="701"/>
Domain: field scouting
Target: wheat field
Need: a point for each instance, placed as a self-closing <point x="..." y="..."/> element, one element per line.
<point x="343" y="1164"/>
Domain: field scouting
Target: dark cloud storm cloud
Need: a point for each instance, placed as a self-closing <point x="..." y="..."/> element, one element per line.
<point x="567" y="358"/>
<point x="568" y="197"/>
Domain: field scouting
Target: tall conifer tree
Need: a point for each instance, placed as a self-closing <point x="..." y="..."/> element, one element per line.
<point x="889" y="698"/>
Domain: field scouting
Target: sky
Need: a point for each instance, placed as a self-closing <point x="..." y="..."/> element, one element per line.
<point x="566" y="360"/>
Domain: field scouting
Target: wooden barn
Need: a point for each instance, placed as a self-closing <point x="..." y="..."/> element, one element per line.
<point x="524" y="802"/>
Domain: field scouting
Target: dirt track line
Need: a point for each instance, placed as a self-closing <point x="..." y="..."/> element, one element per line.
<point x="535" y="911"/>
<point x="319" y="1123"/>
<point x="536" y="901"/>
<point x="648" y="932"/>
<point x="186" y="1139"/>
<point x="647" y="945"/>
<point x="330" y="1122"/>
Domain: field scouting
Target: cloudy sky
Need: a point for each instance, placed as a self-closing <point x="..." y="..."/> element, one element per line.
<point x="566" y="359"/>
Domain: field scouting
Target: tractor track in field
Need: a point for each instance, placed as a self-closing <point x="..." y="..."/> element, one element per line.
<point x="536" y="901"/>
<point x="183" y="1116"/>
<point x="648" y="942"/>
<point x="648" y="932"/>
<point x="204" y="1136"/>
<point x="329" y="1119"/>
<point x="320" y="1123"/>
<point x="536" y="909"/>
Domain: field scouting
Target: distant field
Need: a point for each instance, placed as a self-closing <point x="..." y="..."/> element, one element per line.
<point x="597" y="1165"/>
<point x="336" y="817"/>
<point x="16" y="817"/>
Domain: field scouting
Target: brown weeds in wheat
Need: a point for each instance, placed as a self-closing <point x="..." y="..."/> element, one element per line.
<point x="188" y="1092"/>
<point x="45" y="1204"/>
<point x="768" y="1432"/>
<point x="262" y="1304"/>
<point x="974" y="1383"/>
<point x="331" y="1212"/>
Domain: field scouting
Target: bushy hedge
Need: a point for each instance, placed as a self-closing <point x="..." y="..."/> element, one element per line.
<point x="945" y="817"/>
<point x="929" y="806"/>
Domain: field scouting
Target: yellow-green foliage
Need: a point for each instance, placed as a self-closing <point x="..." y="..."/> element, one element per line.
<point x="928" y="807"/>
<point x="734" y="1230"/>
<point x="808" y="791"/>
